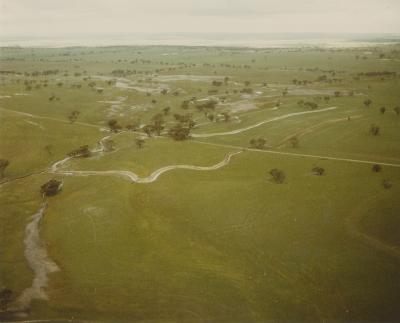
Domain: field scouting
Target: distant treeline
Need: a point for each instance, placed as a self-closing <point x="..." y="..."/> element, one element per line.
<point x="374" y="74"/>
<point x="34" y="73"/>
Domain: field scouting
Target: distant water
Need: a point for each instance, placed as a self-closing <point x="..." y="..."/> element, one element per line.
<point x="272" y="40"/>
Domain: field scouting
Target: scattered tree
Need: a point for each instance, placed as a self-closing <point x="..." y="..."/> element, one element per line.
<point x="158" y="123"/>
<point x="258" y="143"/>
<point x="367" y="103"/>
<point x="294" y="142"/>
<point x="311" y="105"/>
<point x="73" y="116"/>
<point x="139" y="142"/>
<point x="226" y="116"/>
<point x="374" y="130"/>
<point x="387" y="184"/>
<point x="133" y="125"/>
<point x="277" y="175"/>
<point x="108" y="145"/>
<point x="216" y="83"/>
<point x="166" y="110"/>
<point x="114" y="126"/>
<point x="397" y="110"/>
<point x="319" y="171"/>
<point x="382" y="110"/>
<point x="82" y="151"/>
<point x="179" y="132"/>
<point x="376" y="168"/>
<point x="3" y="165"/>
<point x="185" y="105"/>
<point x="210" y="116"/>
<point x="149" y="130"/>
<point x="49" y="149"/>
<point x="51" y="188"/>
<point x="5" y="298"/>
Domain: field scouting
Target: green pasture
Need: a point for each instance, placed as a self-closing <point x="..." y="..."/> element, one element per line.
<point x="222" y="245"/>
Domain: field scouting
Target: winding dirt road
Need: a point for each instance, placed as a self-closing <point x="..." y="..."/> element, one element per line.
<point x="131" y="176"/>
<point x="236" y="131"/>
<point x="275" y="152"/>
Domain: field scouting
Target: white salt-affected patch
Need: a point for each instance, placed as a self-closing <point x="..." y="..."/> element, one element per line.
<point x="38" y="261"/>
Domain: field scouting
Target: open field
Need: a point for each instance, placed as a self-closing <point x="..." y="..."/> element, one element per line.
<point x="170" y="213"/>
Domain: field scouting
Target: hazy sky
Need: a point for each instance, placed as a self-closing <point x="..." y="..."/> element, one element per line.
<point x="52" y="17"/>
